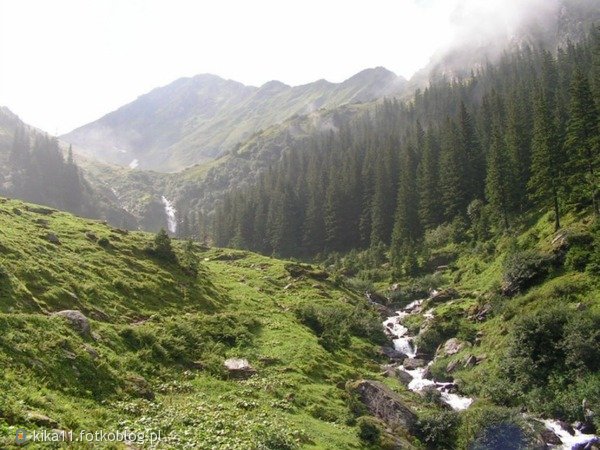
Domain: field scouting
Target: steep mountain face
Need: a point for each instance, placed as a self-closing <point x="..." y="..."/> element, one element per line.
<point x="194" y="119"/>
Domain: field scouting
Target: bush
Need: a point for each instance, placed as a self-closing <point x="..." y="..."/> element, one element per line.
<point x="162" y="248"/>
<point x="523" y="269"/>
<point x="369" y="429"/>
<point x="438" y="430"/>
<point x="333" y="326"/>
<point x="190" y="261"/>
<point x="487" y="427"/>
<point x="359" y="285"/>
<point x="577" y="259"/>
<point x="104" y="242"/>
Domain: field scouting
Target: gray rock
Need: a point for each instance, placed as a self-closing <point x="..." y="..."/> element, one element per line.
<point x="53" y="238"/>
<point x="443" y="295"/>
<point x="451" y="366"/>
<point x="470" y="361"/>
<point x="239" y="368"/>
<point x="385" y="404"/>
<point x="77" y="320"/>
<point x="413" y="363"/>
<point x="453" y="346"/>
<point x="41" y="420"/>
<point x="549" y="438"/>
<point x="403" y="376"/>
<point x="392" y="353"/>
<point x="567" y="427"/>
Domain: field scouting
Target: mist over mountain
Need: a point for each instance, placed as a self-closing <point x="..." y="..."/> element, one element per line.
<point x="486" y="30"/>
<point x="194" y="119"/>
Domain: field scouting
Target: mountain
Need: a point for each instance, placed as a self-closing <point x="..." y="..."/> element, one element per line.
<point x="194" y="119"/>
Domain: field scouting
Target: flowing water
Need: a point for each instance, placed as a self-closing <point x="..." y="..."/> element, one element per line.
<point x="170" y="213"/>
<point x="404" y="343"/>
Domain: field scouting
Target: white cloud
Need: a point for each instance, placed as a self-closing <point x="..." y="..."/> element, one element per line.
<point x="67" y="62"/>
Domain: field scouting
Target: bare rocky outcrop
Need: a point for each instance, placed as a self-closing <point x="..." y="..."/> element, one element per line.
<point x="385" y="404"/>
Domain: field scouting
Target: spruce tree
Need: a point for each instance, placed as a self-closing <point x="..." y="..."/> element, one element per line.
<point x="546" y="161"/>
<point x="430" y="205"/>
<point x="583" y="142"/>
<point x="406" y="225"/>
<point x="499" y="182"/>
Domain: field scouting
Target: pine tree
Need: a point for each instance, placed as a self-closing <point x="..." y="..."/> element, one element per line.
<point x="499" y="182"/>
<point x="162" y="247"/>
<point x="546" y="161"/>
<point x="430" y="205"/>
<point x="406" y="226"/>
<point x="583" y="141"/>
<point x="453" y="175"/>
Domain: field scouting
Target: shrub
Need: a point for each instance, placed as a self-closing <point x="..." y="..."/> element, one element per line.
<point x="577" y="258"/>
<point x="523" y="269"/>
<point x="190" y="261"/>
<point x="104" y="242"/>
<point x="359" y="285"/>
<point x="438" y="430"/>
<point x="369" y="429"/>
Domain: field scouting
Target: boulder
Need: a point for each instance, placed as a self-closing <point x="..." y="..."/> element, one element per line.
<point x="375" y="297"/>
<point x="239" y="368"/>
<point x="443" y="295"/>
<point x="40" y="210"/>
<point x="549" y="438"/>
<point x="77" y="320"/>
<point x="41" y="420"/>
<point x="451" y="366"/>
<point x="53" y="238"/>
<point x="566" y="426"/>
<point x="139" y="387"/>
<point x="453" y="346"/>
<point x="305" y="270"/>
<point x="385" y="404"/>
<point x="392" y="353"/>
<point x="391" y="371"/>
<point x="414" y="363"/>
<point x="585" y="427"/>
<point x="470" y="361"/>
<point x="403" y="376"/>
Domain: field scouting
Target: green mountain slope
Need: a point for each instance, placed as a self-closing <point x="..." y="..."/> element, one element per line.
<point x="193" y="119"/>
<point x="153" y="356"/>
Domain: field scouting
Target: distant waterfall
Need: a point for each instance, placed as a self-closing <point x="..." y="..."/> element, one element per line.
<point x="170" y="212"/>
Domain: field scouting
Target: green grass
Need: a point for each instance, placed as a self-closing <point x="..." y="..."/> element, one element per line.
<point x="159" y="338"/>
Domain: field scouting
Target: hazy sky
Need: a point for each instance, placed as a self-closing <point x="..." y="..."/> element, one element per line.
<point x="64" y="63"/>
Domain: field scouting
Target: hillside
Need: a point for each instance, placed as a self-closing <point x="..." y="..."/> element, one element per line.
<point x="152" y="358"/>
<point x="194" y="119"/>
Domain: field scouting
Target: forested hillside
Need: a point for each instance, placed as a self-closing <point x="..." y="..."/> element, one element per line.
<point x="479" y="152"/>
<point x="36" y="168"/>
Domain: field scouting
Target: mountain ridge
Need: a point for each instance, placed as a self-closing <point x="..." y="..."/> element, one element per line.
<point x="194" y="119"/>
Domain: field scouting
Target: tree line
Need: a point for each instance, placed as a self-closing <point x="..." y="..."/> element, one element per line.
<point x="480" y="151"/>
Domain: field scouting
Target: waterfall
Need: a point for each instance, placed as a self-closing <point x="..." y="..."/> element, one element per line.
<point x="170" y="212"/>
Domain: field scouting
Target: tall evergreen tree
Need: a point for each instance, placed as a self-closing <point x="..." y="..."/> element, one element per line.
<point x="546" y="163"/>
<point x="583" y="141"/>
<point x="406" y="226"/>
<point x="499" y="182"/>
